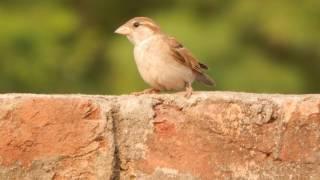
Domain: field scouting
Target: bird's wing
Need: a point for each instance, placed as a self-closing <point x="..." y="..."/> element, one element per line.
<point x="184" y="56"/>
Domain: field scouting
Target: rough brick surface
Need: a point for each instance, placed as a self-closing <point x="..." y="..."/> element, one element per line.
<point x="217" y="135"/>
<point x="54" y="138"/>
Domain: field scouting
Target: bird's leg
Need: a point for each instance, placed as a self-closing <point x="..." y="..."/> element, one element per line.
<point x="151" y="91"/>
<point x="147" y="91"/>
<point x="189" y="90"/>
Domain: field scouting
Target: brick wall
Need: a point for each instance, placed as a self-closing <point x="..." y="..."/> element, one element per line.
<point x="219" y="135"/>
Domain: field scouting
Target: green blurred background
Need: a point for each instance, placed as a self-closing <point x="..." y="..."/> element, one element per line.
<point x="68" y="46"/>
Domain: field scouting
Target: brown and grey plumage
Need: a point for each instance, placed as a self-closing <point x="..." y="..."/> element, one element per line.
<point x="184" y="56"/>
<point x="163" y="62"/>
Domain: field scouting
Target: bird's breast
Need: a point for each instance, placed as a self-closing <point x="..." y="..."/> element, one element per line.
<point x="147" y="56"/>
<point x="157" y="66"/>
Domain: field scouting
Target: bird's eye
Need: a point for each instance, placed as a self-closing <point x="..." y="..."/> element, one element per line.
<point x="136" y="24"/>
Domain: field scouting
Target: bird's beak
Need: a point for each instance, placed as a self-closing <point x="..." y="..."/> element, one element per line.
<point x="123" y="30"/>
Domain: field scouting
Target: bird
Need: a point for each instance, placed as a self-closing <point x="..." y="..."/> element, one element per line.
<point x="163" y="62"/>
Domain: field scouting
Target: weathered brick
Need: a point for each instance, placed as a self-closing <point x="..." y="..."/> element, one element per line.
<point x="220" y="135"/>
<point x="66" y="135"/>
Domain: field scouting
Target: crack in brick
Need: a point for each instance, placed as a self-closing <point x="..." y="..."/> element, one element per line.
<point x="116" y="156"/>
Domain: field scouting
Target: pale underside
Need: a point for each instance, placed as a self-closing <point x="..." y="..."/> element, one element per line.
<point x="159" y="69"/>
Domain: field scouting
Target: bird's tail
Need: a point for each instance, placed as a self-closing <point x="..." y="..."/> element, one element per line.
<point x="204" y="78"/>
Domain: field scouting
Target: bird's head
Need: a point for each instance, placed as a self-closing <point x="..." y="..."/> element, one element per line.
<point x="138" y="29"/>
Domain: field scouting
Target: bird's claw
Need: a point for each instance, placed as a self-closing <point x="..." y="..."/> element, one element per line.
<point x="188" y="94"/>
<point x="189" y="91"/>
<point x="146" y="91"/>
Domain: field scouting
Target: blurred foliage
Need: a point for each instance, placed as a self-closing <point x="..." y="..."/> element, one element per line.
<point x="68" y="46"/>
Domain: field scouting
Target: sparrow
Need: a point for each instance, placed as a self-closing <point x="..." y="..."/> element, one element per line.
<point x="163" y="62"/>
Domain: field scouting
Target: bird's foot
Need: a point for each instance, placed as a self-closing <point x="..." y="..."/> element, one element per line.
<point x="188" y="91"/>
<point x="146" y="91"/>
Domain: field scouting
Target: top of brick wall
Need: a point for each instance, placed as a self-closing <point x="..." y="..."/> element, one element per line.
<point x="211" y="135"/>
